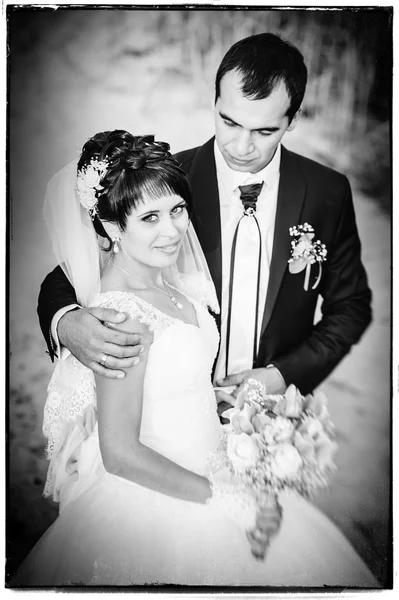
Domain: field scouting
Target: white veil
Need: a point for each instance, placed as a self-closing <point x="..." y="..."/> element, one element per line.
<point x="72" y="234"/>
<point x="78" y="249"/>
<point x="191" y="273"/>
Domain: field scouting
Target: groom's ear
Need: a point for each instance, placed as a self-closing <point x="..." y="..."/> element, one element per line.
<point x="295" y="119"/>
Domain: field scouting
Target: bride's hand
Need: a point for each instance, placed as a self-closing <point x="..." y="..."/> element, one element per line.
<point x="101" y="348"/>
<point x="225" y="400"/>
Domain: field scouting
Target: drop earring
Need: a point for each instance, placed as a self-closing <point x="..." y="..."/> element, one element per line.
<point x="116" y="243"/>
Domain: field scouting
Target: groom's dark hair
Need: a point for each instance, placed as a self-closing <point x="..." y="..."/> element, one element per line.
<point x="263" y="61"/>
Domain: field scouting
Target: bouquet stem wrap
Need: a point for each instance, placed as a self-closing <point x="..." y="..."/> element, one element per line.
<point x="266" y="500"/>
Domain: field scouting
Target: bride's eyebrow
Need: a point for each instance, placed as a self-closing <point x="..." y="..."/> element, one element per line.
<point x="156" y="211"/>
<point x="148" y="212"/>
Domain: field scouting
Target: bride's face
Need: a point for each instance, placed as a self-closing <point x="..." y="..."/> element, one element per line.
<point x="155" y="230"/>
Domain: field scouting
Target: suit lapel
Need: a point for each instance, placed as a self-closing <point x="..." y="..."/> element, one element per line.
<point x="206" y="218"/>
<point x="291" y="194"/>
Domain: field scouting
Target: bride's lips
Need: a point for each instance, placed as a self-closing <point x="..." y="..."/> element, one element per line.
<point x="169" y="248"/>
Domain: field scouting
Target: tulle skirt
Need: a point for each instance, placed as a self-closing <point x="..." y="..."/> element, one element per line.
<point x="119" y="533"/>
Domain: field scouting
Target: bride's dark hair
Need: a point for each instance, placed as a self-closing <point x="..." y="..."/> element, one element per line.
<point x="138" y="166"/>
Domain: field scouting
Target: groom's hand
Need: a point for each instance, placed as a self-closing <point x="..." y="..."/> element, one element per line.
<point x="83" y="332"/>
<point x="270" y="377"/>
<point x="224" y="401"/>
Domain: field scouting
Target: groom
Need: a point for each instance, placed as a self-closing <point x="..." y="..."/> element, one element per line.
<point x="250" y="196"/>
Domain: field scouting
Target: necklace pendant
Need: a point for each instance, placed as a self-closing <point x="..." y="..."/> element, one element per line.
<point x="176" y="303"/>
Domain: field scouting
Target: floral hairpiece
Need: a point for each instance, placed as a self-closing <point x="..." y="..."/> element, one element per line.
<point x="305" y="253"/>
<point x="88" y="184"/>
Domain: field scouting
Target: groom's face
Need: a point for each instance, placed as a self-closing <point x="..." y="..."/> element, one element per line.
<point x="249" y="131"/>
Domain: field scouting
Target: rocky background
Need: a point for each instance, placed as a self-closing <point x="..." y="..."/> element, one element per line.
<point x="75" y="72"/>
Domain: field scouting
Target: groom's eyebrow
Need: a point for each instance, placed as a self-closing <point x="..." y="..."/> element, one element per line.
<point x="227" y="118"/>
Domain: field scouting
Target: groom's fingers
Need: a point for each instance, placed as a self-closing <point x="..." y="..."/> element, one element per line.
<point x="120" y="352"/>
<point x="117" y="363"/>
<point x="110" y="373"/>
<point x="107" y="314"/>
<point x="236" y="379"/>
<point x="122" y="340"/>
<point x="110" y="340"/>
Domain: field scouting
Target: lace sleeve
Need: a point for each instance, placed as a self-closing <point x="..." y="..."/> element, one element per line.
<point x="135" y="307"/>
<point x="70" y="394"/>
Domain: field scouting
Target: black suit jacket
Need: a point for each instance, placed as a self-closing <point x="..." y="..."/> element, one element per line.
<point x="308" y="192"/>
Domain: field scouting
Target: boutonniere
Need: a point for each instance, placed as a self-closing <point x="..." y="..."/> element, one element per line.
<point x="305" y="253"/>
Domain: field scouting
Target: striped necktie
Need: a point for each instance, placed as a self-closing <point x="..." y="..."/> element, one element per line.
<point x="245" y="266"/>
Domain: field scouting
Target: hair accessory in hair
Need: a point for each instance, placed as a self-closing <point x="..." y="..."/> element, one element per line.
<point x="88" y="184"/>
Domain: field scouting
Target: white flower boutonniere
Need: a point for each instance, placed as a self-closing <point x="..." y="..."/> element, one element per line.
<point x="305" y="252"/>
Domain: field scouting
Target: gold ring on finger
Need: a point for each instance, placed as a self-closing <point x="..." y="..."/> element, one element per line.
<point x="103" y="359"/>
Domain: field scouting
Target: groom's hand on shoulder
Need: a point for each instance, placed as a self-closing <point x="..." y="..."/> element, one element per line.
<point x="84" y="333"/>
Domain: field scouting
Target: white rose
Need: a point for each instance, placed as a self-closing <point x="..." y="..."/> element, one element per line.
<point x="81" y="184"/>
<point x="87" y="197"/>
<point x="91" y="177"/>
<point x="311" y="427"/>
<point x="286" y="461"/>
<point x="279" y="430"/>
<point x="242" y="451"/>
<point x="325" y="450"/>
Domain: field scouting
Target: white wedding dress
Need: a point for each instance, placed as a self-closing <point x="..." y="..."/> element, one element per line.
<point x="114" y="532"/>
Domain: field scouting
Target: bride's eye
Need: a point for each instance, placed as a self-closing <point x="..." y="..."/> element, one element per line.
<point x="177" y="210"/>
<point x="150" y="218"/>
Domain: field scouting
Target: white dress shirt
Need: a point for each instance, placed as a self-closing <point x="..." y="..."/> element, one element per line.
<point x="231" y="210"/>
<point x="62" y="351"/>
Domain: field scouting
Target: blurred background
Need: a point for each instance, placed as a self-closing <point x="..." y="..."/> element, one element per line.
<point x="74" y="72"/>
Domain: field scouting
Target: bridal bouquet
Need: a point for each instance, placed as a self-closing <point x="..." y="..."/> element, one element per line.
<point x="278" y="442"/>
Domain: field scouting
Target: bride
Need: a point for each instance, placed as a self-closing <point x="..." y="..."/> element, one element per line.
<point x="129" y="458"/>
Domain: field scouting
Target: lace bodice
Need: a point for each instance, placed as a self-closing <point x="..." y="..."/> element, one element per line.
<point x="138" y="309"/>
<point x="179" y="416"/>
